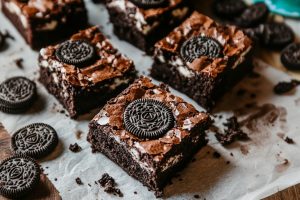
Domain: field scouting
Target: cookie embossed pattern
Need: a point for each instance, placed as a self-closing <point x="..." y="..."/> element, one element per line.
<point x="266" y="162"/>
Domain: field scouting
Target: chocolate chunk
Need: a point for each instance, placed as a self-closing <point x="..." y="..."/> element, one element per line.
<point x="75" y="148"/>
<point x="146" y="4"/>
<point x="109" y="185"/>
<point x="35" y="140"/>
<point x="18" y="176"/>
<point x="229" y="8"/>
<point x="233" y="132"/>
<point x="17" y="94"/>
<point x="148" y="118"/>
<point x="284" y="87"/>
<point x="77" y="52"/>
<point x="277" y="35"/>
<point x="78" y="181"/>
<point x="290" y="56"/>
<point x="253" y="15"/>
<point x="198" y="46"/>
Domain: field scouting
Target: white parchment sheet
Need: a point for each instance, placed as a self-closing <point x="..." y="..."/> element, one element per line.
<point x="256" y="168"/>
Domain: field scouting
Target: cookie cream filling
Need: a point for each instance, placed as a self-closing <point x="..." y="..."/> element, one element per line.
<point x="15" y="9"/>
<point x="171" y="162"/>
<point x="48" y="26"/>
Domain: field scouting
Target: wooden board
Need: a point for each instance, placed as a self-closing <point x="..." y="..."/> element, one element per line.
<point x="291" y="193"/>
<point x="45" y="190"/>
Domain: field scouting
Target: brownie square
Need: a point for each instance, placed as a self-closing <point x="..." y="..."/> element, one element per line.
<point x="151" y="158"/>
<point x="142" y="25"/>
<point x="203" y="59"/>
<point x="80" y="88"/>
<point x="44" y="22"/>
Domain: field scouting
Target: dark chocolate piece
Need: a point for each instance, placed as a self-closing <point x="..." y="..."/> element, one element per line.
<point x="290" y="56"/>
<point x="284" y="87"/>
<point x="19" y="175"/>
<point x="17" y="94"/>
<point x="35" y="140"/>
<point x="148" y="118"/>
<point x="253" y="15"/>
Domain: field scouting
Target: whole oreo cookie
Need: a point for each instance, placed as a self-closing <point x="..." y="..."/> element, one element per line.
<point x="229" y="8"/>
<point x="76" y="52"/>
<point x="35" y="140"/>
<point x="148" y="118"/>
<point x="277" y="35"/>
<point x="17" y="94"/>
<point x="253" y="15"/>
<point x="18" y="176"/>
<point x="290" y="56"/>
<point x="146" y="4"/>
<point x="198" y="46"/>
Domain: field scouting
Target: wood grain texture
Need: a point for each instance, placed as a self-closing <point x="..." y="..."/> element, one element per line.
<point x="291" y="193"/>
<point x="45" y="190"/>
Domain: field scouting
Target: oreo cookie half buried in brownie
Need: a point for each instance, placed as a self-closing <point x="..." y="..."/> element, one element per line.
<point x="148" y="118"/>
<point x="17" y="94"/>
<point x="35" y="140"/>
<point x="77" y="52"/>
<point x="18" y="176"/>
<point x="290" y="56"/>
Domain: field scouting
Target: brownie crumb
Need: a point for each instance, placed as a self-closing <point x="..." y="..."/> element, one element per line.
<point x="109" y="185"/>
<point x="78" y="181"/>
<point x="89" y="185"/>
<point x="55" y="179"/>
<point x="231" y="154"/>
<point x="233" y="132"/>
<point x="196" y="196"/>
<point x="134" y="192"/>
<point x="78" y="134"/>
<point x="75" y="148"/>
<point x="19" y="63"/>
<point x="284" y="87"/>
<point x="289" y="140"/>
<point x="227" y="162"/>
<point x="216" y="154"/>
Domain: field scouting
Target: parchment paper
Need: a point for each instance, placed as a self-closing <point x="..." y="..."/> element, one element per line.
<point x="246" y="170"/>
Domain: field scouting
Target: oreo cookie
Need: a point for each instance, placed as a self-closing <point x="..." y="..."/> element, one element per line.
<point x="17" y="94"/>
<point x="76" y="52"/>
<point x="35" y="140"/>
<point x="18" y="176"/>
<point x="198" y="46"/>
<point x="148" y="118"/>
<point x="290" y="56"/>
<point x="229" y="8"/>
<point x="146" y="4"/>
<point x="253" y="15"/>
<point x="277" y="35"/>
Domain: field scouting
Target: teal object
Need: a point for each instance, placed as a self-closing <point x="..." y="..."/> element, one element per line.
<point x="288" y="8"/>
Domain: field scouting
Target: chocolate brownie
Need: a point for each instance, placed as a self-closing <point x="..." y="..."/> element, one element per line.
<point x="149" y="132"/>
<point x="85" y="71"/>
<point x="43" y="22"/>
<point x="142" y="23"/>
<point x="203" y="59"/>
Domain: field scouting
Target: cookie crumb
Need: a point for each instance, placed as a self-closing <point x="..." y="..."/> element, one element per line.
<point x="196" y="196"/>
<point x="19" y="63"/>
<point x="284" y="87"/>
<point x="109" y="185"/>
<point x="75" y="148"/>
<point x="289" y="140"/>
<point x="216" y="154"/>
<point x="78" y="181"/>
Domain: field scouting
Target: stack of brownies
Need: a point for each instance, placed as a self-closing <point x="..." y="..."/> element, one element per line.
<point x="142" y="127"/>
